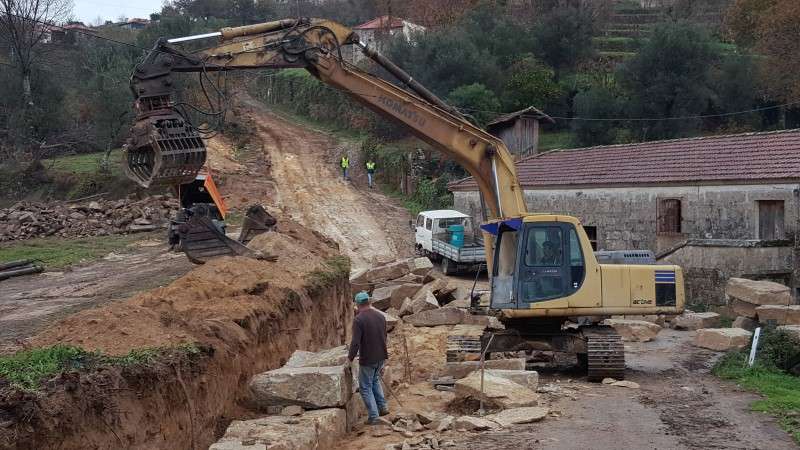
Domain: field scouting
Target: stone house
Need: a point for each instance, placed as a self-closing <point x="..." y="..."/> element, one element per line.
<point x="376" y="31"/>
<point x="720" y="206"/>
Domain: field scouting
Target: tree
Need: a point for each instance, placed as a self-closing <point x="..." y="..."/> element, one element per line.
<point x="564" y="37"/>
<point x="24" y="26"/>
<point x="670" y="77"/>
<point x="477" y="101"/>
<point x="778" y="37"/>
<point x="530" y="83"/>
<point x="598" y="102"/>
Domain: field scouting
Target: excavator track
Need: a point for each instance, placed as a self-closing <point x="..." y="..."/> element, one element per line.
<point x="605" y="356"/>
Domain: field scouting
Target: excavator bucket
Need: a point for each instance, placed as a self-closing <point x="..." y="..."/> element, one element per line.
<point x="202" y="240"/>
<point x="163" y="149"/>
<point x="256" y="221"/>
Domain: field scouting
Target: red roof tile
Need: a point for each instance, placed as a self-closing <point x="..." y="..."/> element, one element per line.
<point x="381" y="22"/>
<point x="737" y="158"/>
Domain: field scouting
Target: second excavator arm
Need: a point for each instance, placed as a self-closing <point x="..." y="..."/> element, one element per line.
<point x="166" y="148"/>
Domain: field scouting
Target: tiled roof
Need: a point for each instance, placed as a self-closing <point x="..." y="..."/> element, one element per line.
<point x="737" y="158"/>
<point x="381" y="22"/>
<point x="527" y="112"/>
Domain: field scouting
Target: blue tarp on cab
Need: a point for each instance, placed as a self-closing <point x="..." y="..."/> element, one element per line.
<point x="493" y="228"/>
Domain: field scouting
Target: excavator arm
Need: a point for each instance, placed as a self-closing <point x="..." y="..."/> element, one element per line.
<point x="166" y="148"/>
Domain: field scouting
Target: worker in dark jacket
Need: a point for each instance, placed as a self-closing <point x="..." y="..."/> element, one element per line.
<point x="369" y="343"/>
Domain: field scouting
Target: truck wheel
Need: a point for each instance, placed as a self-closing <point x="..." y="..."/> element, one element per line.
<point x="448" y="266"/>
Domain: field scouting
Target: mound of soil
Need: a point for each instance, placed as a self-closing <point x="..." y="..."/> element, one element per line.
<point x="192" y="308"/>
<point x="246" y="316"/>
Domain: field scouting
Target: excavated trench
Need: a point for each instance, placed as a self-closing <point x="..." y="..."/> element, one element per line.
<point x="219" y="325"/>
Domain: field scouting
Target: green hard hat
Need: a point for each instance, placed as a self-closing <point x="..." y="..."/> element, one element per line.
<point x="361" y="298"/>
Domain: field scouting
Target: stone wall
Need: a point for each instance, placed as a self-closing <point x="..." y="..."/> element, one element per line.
<point x="626" y="217"/>
<point x="708" y="264"/>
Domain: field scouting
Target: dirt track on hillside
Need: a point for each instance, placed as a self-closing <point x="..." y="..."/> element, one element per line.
<point x="367" y="225"/>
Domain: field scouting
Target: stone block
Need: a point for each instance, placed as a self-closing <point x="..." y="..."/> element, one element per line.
<point x="722" y="339"/>
<point x="409" y="278"/>
<point x="309" y="387"/>
<point x="421" y="266"/>
<point x="335" y="356"/>
<point x="392" y="296"/>
<point x="745" y="323"/>
<point x="497" y="391"/>
<point x="742" y="308"/>
<point x="791" y="329"/>
<point x="634" y="330"/>
<point x="423" y="302"/>
<point x="436" y="317"/>
<point x="469" y="423"/>
<point x="779" y="315"/>
<point x="313" y="430"/>
<point x="696" y="321"/>
<point x="385" y="272"/>
<point x="758" y="292"/>
<point x="461" y="369"/>
<point x="527" y="378"/>
<point x="516" y="416"/>
<point x="391" y="321"/>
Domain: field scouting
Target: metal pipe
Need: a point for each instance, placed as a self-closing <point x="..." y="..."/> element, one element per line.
<point x="496" y="185"/>
<point x="10" y="264"/>
<point x="407" y="79"/>
<point x="247" y="30"/>
<point x="17" y="272"/>
<point x="195" y="37"/>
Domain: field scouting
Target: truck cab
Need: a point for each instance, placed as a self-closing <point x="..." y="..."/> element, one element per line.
<point x="436" y="223"/>
<point x="448" y="236"/>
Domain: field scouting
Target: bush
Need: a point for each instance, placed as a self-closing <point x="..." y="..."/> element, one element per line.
<point x="477" y="101"/>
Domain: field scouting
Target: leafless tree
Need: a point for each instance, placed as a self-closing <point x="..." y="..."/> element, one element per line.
<point x="25" y="26"/>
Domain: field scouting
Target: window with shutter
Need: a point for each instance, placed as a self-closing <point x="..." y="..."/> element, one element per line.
<point x="669" y="216"/>
<point x="770" y="219"/>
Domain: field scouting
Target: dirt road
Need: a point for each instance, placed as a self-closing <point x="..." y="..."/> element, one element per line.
<point x="680" y="405"/>
<point x="29" y="303"/>
<point x="367" y="225"/>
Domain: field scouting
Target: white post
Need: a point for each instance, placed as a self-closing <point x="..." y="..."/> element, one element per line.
<point x="753" y="348"/>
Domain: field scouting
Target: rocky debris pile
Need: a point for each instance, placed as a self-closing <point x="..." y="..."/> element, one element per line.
<point x="634" y="330"/>
<point x="312" y="401"/>
<point x="408" y="289"/>
<point x="761" y="301"/>
<point x="722" y="339"/>
<point x="439" y="429"/>
<point x="28" y="220"/>
<point x="460" y="369"/>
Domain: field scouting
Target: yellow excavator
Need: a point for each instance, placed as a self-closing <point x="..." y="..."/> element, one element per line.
<point x="547" y="286"/>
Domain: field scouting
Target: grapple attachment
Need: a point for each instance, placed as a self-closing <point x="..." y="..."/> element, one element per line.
<point x="163" y="149"/>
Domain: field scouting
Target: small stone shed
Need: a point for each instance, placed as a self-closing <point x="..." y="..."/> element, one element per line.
<point x="720" y="206"/>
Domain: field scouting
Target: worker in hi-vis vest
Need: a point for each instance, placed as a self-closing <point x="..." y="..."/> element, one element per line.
<point x="345" y="163"/>
<point x="370" y="171"/>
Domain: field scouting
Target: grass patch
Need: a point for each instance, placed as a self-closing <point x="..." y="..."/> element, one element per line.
<point x="338" y="268"/>
<point x="86" y="163"/>
<point x="58" y="253"/>
<point x="27" y="369"/>
<point x="781" y="390"/>
<point x="558" y="139"/>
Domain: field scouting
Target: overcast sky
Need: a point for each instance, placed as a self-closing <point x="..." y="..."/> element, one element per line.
<point x="88" y="11"/>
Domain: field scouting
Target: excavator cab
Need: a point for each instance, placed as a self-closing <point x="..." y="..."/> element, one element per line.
<point x="535" y="262"/>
